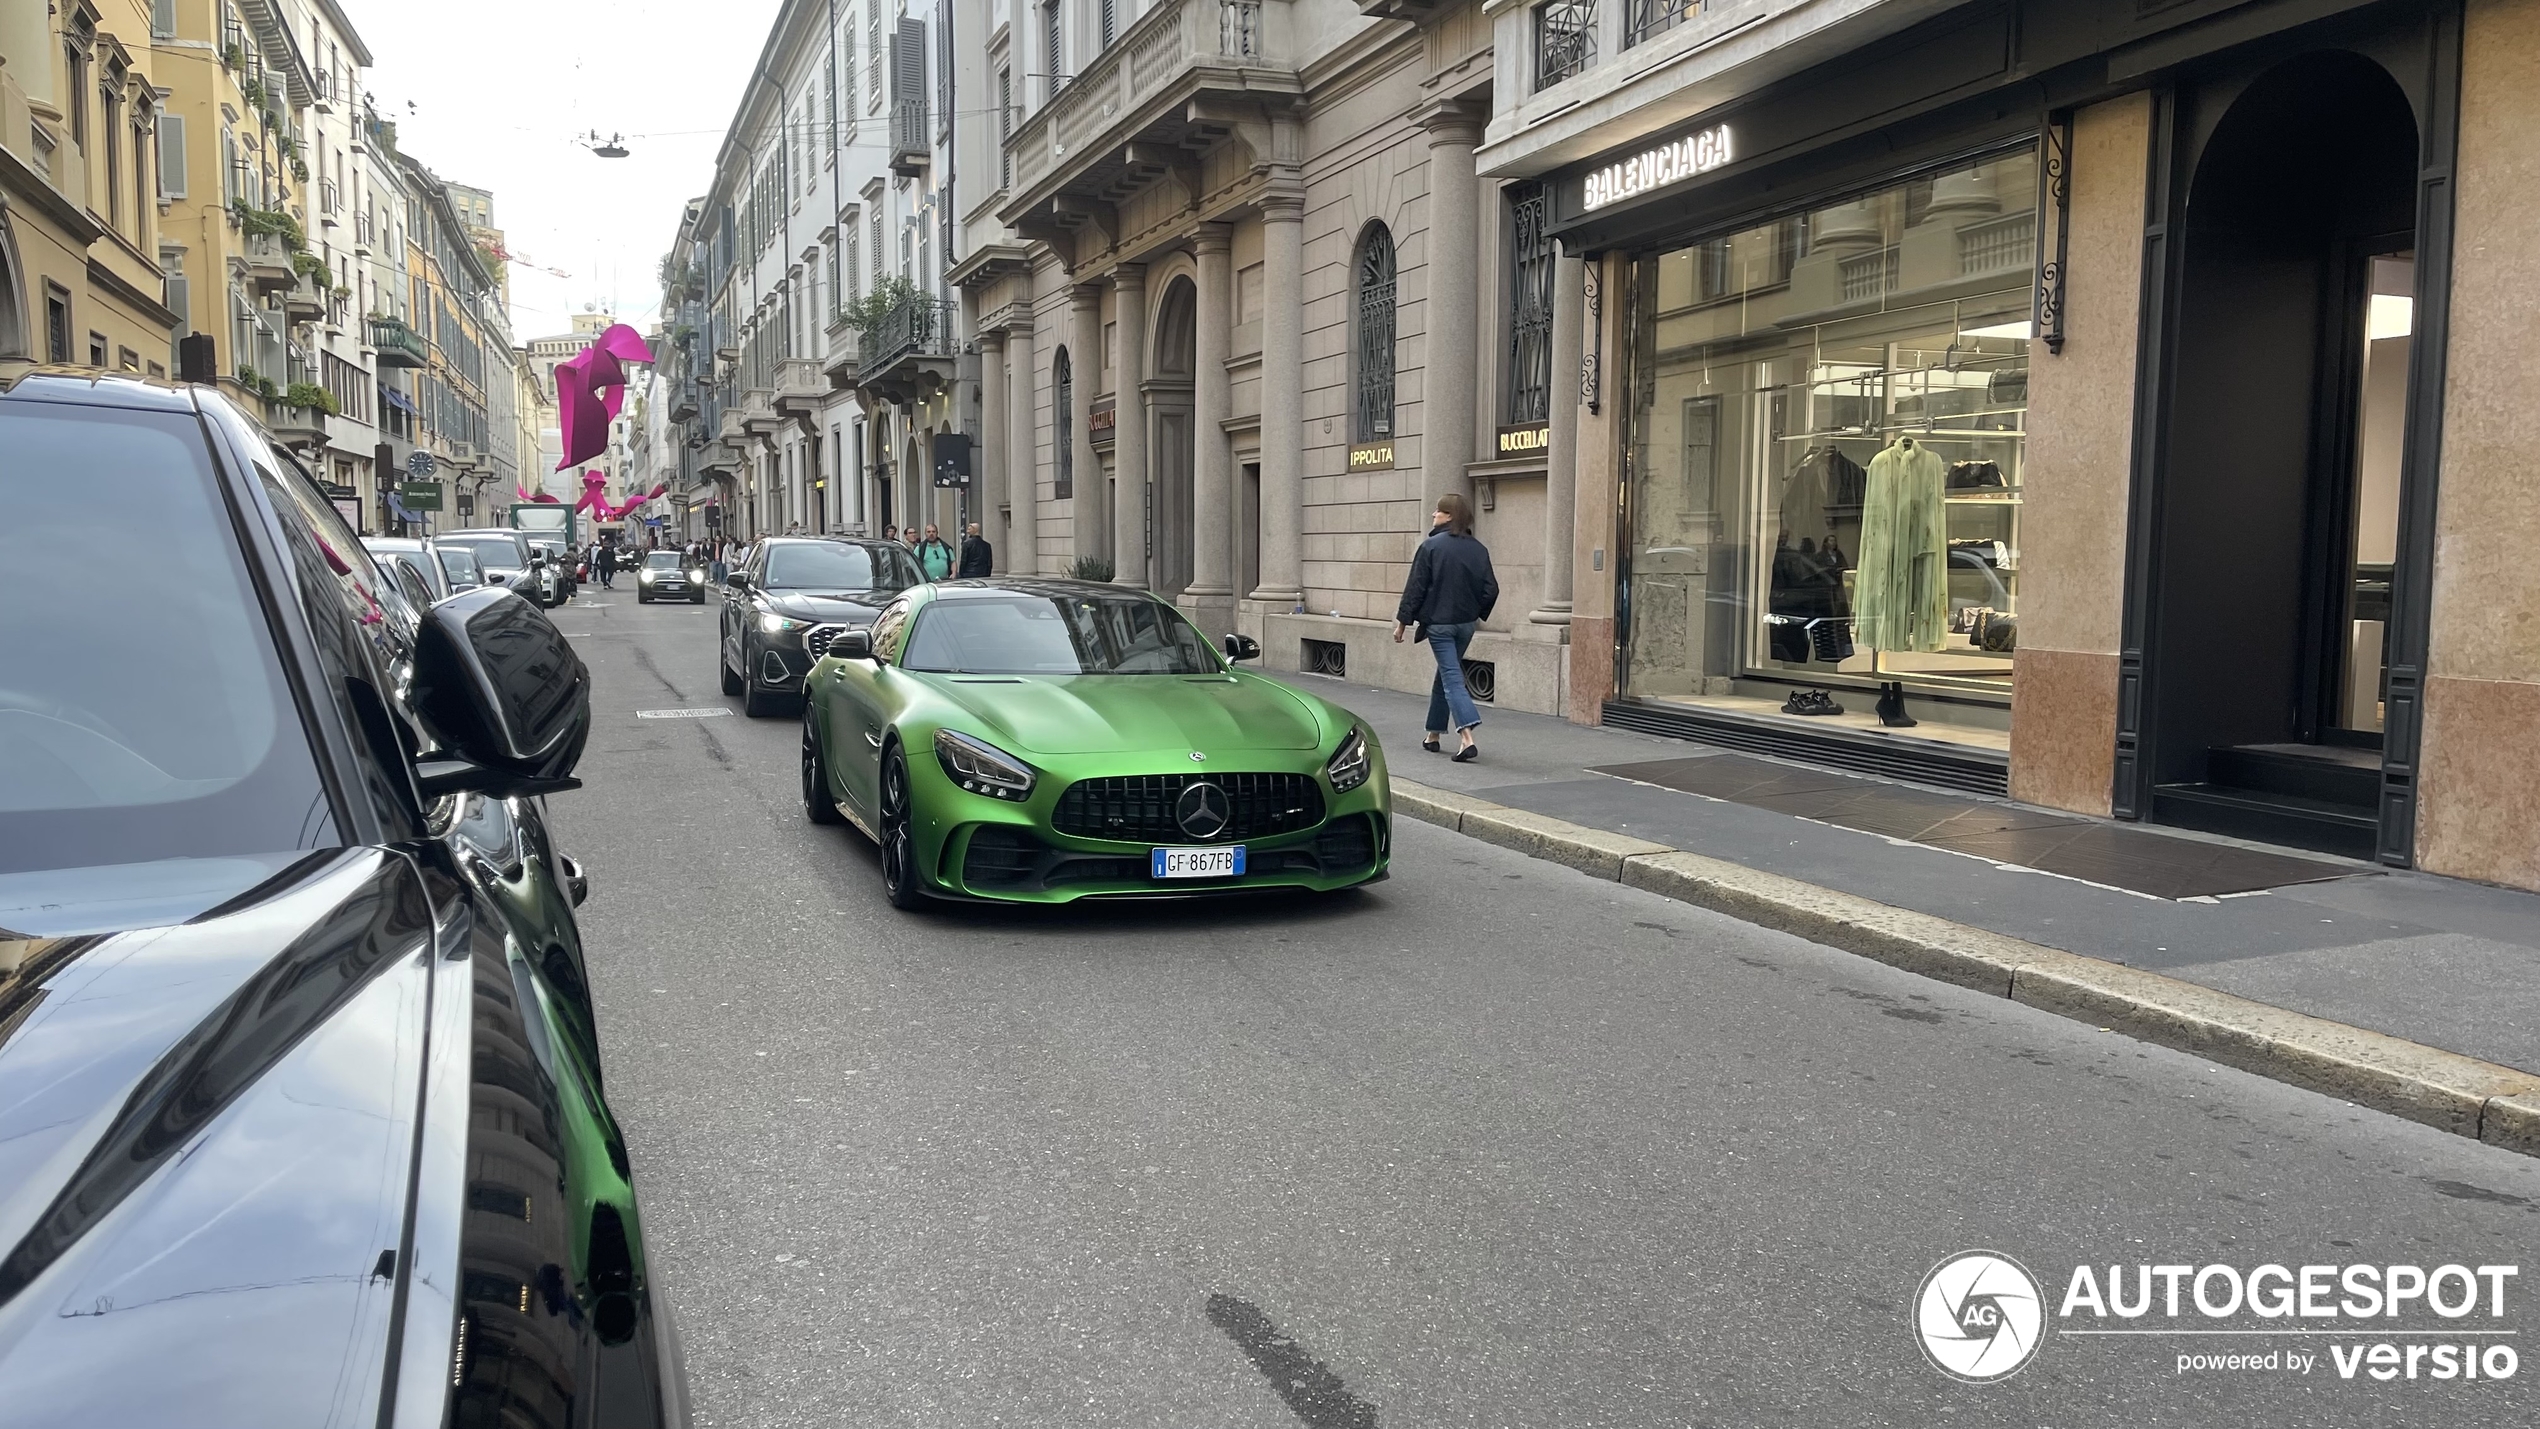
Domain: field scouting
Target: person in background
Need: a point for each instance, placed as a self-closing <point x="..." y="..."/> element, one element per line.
<point x="977" y="556"/>
<point x="891" y="534"/>
<point x="1450" y="593"/>
<point x="934" y="557"/>
<point x="607" y="564"/>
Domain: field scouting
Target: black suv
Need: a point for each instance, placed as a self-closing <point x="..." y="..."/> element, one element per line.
<point x="300" y="1094"/>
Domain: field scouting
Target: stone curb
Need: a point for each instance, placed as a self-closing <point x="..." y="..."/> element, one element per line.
<point x="2462" y="1095"/>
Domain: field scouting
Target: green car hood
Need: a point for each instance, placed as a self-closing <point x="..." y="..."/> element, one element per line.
<point x="1119" y="714"/>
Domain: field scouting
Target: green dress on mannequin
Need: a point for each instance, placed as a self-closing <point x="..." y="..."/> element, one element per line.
<point x="1900" y="597"/>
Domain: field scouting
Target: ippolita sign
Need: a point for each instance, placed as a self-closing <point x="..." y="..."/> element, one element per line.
<point x="1671" y="162"/>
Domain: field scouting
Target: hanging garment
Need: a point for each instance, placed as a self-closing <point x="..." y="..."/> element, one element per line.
<point x="1824" y="483"/>
<point x="1900" y="599"/>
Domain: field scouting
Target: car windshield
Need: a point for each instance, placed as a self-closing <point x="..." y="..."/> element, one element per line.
<point x="662" y="561"/>
<point x="458" y="563"/>
<point x="494" y="553"/>
<point x="1057" y="635"/>
<point x="183" y="745"/>
<point x="835" y="565"/>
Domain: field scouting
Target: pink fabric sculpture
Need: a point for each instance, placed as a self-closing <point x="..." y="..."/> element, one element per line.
<point x="595" y="495"/>
<point x="590" y="388"/>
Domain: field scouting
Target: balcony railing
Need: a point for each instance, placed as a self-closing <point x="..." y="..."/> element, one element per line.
<point x="910" y="147"/>
<point x="1165" y="44"/>
<point x="1647" y="19"/>
<point x="1565" y="40"/>
<point x="918" y="327"/>
<point x="397" y="344"/>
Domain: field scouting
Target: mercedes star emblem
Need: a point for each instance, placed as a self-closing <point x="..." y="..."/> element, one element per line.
<point x="1198" y="758"/>
<point x="1203" y="811"/>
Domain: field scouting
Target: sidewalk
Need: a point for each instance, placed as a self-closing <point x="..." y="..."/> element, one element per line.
<point x="2453" y="965"/>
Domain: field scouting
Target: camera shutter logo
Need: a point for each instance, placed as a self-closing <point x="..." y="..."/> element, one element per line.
<point x="1979" y="1316"/>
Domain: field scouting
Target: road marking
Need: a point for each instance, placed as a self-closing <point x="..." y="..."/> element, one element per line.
<point x="680" y="714"/>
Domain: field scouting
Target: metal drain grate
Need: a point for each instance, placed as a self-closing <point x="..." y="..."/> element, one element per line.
<point x="1323" y="657"/>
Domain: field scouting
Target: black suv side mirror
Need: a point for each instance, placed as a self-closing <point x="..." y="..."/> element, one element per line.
<point x="737" y="581"/>
<point x="853" y="645"/>
<point x="504" y="694"/>
<point x="1240" y="648"/>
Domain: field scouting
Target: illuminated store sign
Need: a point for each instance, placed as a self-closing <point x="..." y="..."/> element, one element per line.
<point x="1669" y="163"/>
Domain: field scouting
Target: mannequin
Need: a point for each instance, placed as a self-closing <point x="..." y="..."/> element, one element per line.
<point x="1901" y="598"/>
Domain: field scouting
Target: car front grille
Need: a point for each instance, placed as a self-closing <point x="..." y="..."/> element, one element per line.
<point x="818" y="638"/>
<point x="1140" y="808"/>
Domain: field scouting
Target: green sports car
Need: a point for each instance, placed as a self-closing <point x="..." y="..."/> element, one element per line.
<point x="1042" y="741"/>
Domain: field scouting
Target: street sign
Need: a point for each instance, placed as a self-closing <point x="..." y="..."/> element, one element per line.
<point x="419" y="495"/>
<point x="337" y="491"/>
<point x="420" y="464"/>
<point x="952" y="459"/>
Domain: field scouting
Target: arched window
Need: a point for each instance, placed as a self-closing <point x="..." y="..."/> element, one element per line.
<point x="1063" y="425"/>
<point x="1372" y="419"/>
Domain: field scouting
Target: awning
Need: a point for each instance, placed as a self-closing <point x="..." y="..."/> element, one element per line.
<point x="396" y="399"/>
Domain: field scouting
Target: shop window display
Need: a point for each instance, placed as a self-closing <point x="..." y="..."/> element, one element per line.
<point x="1826" y="448"/>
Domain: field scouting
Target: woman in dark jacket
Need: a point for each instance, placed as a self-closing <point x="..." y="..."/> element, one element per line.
<point x="1449" y="595"/>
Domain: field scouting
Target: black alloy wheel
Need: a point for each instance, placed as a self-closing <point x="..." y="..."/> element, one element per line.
<point x="899" y="846"/>
<point x="817" y="805"/>
<point x="756" y="703"/>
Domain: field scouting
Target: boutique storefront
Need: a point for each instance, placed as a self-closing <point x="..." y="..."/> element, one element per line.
<point x="2053" y="401"/>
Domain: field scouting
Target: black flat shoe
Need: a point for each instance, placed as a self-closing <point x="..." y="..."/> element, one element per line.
<point x="1430" y="744"/>
<point x="1468" y="754"/>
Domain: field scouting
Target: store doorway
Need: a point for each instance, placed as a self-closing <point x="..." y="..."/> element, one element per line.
<point x="2280" y="479"/>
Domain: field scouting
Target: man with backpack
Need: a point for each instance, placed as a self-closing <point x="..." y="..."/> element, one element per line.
<point x="933" y="556"/>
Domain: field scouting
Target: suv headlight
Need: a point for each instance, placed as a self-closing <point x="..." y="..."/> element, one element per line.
<point x="774" y="624"/>
<point x="982" y="768"/>
<point x="1349" y="764"/>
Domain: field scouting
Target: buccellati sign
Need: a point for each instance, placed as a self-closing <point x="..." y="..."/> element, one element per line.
<point x="1672" y="162"/>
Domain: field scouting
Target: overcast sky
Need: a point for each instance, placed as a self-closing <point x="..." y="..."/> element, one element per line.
<point x="500" y="88"/>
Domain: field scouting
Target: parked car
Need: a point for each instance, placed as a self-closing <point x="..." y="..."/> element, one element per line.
<point x="301" y="1113"/>
<point x="789" y="587"/>
<point x="415" y="566"/>
<point x="663" y="577"/>
<point x="507" y="559"/>
<point x="458" y="564"/>
<point x="1044" y="741"/>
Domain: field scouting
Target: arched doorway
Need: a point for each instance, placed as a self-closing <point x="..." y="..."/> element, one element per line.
<point x="1173" y="444"/>
<point x="2281" y="469"/>
<point x="13" y="340"/>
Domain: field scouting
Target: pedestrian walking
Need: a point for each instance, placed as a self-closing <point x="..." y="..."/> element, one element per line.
<point x="934" y="557"/>
<point x="715" y="563"/>
<point x="977" y="556"/>
<point x="608" y="566"/>
<point x="1449" y="595"/>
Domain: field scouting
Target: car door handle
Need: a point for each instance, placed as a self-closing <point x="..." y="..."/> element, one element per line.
<point x="873" y="737"/>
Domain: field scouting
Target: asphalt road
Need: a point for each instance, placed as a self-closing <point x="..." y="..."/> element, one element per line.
<point x="1492" y="1144"/>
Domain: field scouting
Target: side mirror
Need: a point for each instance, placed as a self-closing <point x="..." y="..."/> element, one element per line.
<point x="504" y="695"/>
<point x="737" y="581"/>
<point x="853" y="645"/>
<point x="1240" y="648"/>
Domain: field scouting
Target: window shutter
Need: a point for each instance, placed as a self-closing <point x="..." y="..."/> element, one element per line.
<point x="943" y="71"/>
<point x="179" y="295"/>
<point x="908" y="63"/>
<point x="163" y="19"/>
<point x="172" y="155"/>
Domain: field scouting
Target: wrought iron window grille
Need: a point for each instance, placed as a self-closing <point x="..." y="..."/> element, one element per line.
<point x="1565" y="40"/>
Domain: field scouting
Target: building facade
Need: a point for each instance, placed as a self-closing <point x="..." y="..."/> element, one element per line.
<point x="81" y="214"/>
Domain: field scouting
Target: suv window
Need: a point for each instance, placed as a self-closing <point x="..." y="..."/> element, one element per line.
<point x="145" y="716"/>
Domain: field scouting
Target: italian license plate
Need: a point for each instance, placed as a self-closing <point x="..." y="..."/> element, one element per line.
<point x="1199" y="862"/>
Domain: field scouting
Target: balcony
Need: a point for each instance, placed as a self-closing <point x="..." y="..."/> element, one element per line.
<point x="305" y="300"/>
<point x="913" y="352"/>
<point x="397" y="344"/>
<point x="268" y="263"/>
<point x="1187" y="74"/>
<point x="846" y="353"/>
<point x="758" y="412"/>
<point x="910" y="147"/>
<point x="295" y="426"/>
<point x="801" y="389"/>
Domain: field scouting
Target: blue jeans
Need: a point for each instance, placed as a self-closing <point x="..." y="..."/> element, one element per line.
<point x="1447" y="694"/>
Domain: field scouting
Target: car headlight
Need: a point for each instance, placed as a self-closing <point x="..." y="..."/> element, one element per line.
<point x="647" y="577"/>
<point x="697" y="575"/>
<point x="774" y="624"/>
<point x="983" y="768"/>
<point x="1349" y="764"/>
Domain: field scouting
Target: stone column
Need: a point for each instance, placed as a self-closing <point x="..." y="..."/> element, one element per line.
<point x="1020" y="552"/>
<point x="1084" y="365"/>
<point x="1210" y="597"/>
<point x="1129" y="441"/>
<point x="1282" y="416"/>
<point x="1561" y="448"/>
<point x="1450" y="362"/>
<point x="993" y="481"/>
